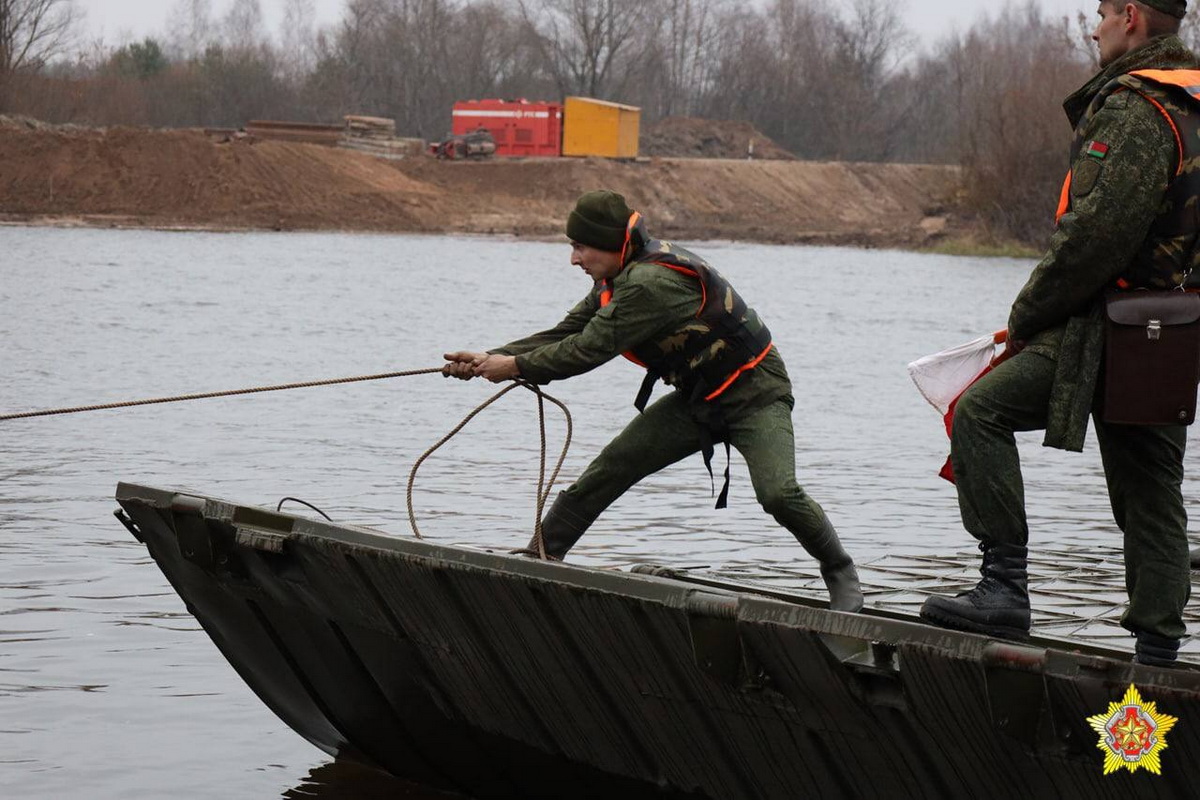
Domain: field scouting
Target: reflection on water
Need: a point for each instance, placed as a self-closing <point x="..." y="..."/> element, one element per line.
<point x="107" y="683"/>
<point x="338" y="780"/>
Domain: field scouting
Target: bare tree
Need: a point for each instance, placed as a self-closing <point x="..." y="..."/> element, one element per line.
<point x="581" y="41"/>
<point x="771" y="66"/>
<point x="242" y="26"/>
<point x="191" y="28"/>
<point x="683" y="60"/>
<point x="399" y="58"/>
<point x="31" y="33"/>
<point x="297" y="36"/>
<point x="495" y="56"/>
<point x="1009" y="81"/>
<point x="867" y="45"/>
<point x="348" y="75"/>
<point x="1082" y="43"/>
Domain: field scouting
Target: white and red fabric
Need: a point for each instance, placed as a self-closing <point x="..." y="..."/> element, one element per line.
<point x="943" y="377"/>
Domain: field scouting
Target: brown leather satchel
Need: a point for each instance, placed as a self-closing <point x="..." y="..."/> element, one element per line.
<point x="1151" y="357"/>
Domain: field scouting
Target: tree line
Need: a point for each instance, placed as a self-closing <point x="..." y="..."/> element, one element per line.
<point x="827" y="81"/>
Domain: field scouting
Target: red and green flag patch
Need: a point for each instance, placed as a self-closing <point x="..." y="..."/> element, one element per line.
<point x="1096" y="149"/>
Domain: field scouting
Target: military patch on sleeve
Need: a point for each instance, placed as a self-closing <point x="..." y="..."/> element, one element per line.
<point x="1084" y="176"/>
<point x="1096" y="149"/>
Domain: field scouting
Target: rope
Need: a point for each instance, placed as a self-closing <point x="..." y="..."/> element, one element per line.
<point x="544" y="486"/>
<point x="543" y="496"/>
<point x="205" y="395"/>
<point x="303" y="503"/>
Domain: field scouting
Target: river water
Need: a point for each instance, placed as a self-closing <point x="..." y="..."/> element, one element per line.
<point x="109" y="689"/>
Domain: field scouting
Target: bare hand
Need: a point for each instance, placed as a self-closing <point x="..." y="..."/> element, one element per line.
<point x="1011" y="348"/>
<point x="462" y="363"/>
<point x="498" y="368"/>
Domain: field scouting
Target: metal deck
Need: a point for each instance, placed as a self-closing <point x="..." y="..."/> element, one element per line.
<point x="504" y="677"/>
<point x="1077" y="597"/>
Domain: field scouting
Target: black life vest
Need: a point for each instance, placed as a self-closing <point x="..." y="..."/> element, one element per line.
<point x="705" y="355"/>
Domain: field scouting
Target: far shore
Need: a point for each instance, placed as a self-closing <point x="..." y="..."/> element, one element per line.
<point x="946" y="246"/>
<point x="180" y="180"/>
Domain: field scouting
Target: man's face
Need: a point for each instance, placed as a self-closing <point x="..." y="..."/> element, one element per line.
<point x="1110" y="33"/>
<point x="600" y="265"/>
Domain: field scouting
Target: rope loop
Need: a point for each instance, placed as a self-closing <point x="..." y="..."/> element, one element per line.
<point x="545" y="486"/>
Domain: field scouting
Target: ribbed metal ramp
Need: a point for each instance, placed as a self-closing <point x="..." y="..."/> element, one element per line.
<point x="503" y="677"/>
<point x="1077" y="597"/>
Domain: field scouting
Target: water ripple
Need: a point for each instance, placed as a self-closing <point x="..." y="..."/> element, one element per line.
<point x="118" y="668"/>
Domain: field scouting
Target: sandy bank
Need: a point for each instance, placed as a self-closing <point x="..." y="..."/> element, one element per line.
<point x="181" y="178"/>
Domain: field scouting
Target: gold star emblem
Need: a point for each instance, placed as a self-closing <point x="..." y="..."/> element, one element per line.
<point x="1132" y="734"/>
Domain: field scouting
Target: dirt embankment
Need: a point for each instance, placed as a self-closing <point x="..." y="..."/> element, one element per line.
<point x="181" y="178"/>
<point x="690" y="137"/>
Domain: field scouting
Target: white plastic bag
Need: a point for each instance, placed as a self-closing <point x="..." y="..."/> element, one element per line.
<point x="943" y="376"/>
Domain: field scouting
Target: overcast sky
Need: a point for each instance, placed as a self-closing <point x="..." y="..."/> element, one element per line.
<point x="118" y="21"/>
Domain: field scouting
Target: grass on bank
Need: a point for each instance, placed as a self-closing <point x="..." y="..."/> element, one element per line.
<point x="971" y="247"/>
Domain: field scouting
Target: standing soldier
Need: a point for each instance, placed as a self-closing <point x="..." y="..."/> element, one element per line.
<point x="1126" y="220"/>
<point x="669" y="311"/>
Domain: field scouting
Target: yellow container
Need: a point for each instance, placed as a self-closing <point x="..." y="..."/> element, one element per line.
<point x="599" y="128"/>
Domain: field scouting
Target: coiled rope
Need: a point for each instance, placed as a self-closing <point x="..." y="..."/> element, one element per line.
<point x="544" y="486"/>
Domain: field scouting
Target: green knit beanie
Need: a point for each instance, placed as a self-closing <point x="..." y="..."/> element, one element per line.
<point x="1176" y="8"/>
<point x="599" y="220"/>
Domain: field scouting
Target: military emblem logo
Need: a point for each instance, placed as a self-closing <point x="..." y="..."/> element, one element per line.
<point x="1132" y="734"/>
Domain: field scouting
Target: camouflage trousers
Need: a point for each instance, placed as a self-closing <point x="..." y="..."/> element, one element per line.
<point x="1143" y="466"/>
<point x="668" y="432"/>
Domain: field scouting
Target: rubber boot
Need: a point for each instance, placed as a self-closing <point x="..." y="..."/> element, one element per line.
<point x="997" y="606"/>
<point x="562" y="526"/>
<point x="1156" y="651"/>
<point x="837" y="569"/>
<point x="1195" y="557"/>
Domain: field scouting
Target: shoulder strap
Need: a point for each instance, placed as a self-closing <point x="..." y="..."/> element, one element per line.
<point x="1186" y="79"/>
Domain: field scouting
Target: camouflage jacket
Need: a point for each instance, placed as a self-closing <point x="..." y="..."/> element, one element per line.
<point x="1118" y="192"/>
<point x="649" y="303"/>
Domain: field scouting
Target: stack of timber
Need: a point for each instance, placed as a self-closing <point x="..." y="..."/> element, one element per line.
<point x="373" y="135"/>
<point x="377" y="136"/>
<point x="375" y="128"/>
<point x="308" y="132"/>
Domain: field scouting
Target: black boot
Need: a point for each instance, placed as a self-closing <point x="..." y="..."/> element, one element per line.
<point x="562" y="526"/>
<point x="997" y="606"/>
<point x="1157" y="651"/>
<point x="1195" y="556"/>
<point x="837" y="569"/>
